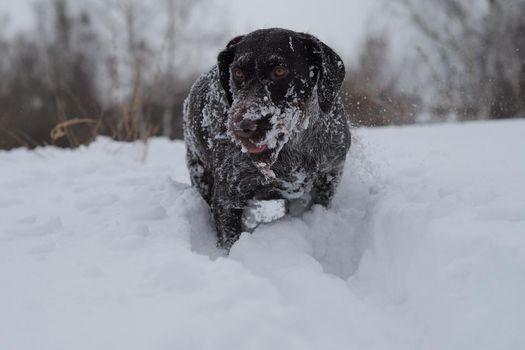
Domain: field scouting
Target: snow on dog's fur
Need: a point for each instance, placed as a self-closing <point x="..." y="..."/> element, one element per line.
<point x="266" y="123"/>
<point x="281" y="125"/>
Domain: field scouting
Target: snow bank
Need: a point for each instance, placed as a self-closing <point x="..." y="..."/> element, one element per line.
<point x="423" y="248"/>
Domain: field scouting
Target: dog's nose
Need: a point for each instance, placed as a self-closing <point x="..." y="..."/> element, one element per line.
<point x="246" y="128"/>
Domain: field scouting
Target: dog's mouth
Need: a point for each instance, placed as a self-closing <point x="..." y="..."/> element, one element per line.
<point x="256" y="141"/>
<point x="262" y="132"/>
<point x="262" y="156"/>
<point x="254" y="149"/>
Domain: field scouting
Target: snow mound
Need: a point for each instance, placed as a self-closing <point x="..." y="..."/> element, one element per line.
<point x="423" y="248"/>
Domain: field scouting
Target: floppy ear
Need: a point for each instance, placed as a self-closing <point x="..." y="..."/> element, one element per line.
<point x="330" y="67"/>
<point x="224" y="60"/>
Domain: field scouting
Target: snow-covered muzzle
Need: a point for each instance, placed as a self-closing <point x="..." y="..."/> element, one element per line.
<point x="271" y="128"/>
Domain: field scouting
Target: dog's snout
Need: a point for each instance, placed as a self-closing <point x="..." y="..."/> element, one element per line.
<point x="246" y="128"/>
<point x="248" y="125"/>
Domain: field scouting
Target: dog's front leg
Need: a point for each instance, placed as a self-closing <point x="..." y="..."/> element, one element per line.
<point x="325" y="185"/>
<point x="227" y="214"/>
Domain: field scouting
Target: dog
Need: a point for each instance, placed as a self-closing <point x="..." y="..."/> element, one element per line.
<point x="266" y="123"/>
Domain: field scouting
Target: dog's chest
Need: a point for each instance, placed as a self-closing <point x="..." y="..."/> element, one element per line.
<point x="294" y="184"/>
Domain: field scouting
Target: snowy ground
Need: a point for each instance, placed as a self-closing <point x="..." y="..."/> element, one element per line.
<point x="424" y="248"/>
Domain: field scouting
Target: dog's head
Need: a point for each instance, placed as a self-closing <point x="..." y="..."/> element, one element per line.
<point x="274" y="80"/>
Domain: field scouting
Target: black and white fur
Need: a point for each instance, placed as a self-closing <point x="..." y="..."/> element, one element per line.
<point x="298" y="120"/>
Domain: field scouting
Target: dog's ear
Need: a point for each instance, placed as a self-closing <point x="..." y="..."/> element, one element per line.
<point x="224" y="60"/>
<point x="330" y="67"/>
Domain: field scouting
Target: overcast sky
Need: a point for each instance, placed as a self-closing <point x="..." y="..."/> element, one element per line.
<point x="340" y="23"/>
<point x="19" y="13"/>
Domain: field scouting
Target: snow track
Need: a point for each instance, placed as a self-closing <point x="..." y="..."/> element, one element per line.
<point x="423" y="248"/>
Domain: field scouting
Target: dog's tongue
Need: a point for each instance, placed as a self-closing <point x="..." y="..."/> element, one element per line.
<point x="256" y="150"/>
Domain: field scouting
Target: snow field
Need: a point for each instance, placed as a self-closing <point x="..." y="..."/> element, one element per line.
<point x="423" y="248"/>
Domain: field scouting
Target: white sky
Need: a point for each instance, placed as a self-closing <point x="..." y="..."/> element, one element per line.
<point x="19" y="12"/>
<point x="339" y="23"/>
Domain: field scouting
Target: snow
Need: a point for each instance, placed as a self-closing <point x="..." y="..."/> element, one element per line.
<point x="107" y="247"/>
<point x="267" y="211"/>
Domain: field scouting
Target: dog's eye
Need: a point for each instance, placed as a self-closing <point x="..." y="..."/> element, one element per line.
<point x="279" y="72"/>
<point x="238" y="74"/>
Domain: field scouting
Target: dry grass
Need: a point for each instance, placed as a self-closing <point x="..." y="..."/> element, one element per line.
<point x="63" y="129"/>
<point x="130" y="123"/>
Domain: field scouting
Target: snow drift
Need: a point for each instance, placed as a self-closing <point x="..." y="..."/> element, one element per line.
<point x="423" y="248"/>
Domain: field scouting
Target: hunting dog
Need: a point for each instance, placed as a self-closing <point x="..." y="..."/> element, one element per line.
<point x="266" y="123"/>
